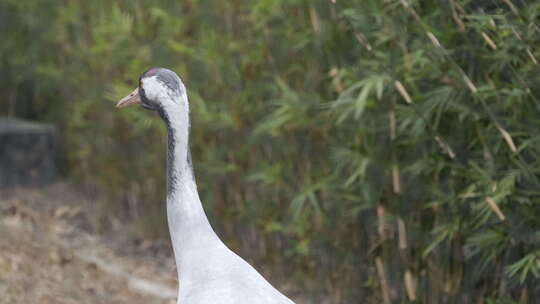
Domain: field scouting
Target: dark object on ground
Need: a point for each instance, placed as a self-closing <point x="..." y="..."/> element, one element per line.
<point x="27" y="153"/>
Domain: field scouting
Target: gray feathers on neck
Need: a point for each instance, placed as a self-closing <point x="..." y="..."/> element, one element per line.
<point x="177" y="169"/>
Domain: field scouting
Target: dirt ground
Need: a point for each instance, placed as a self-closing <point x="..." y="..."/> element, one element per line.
<point x="58" y="245"/>
<point x="48" y="254"/>
<point x="54" y="249"/>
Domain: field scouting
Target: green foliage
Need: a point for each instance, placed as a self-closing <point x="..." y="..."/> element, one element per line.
<point x="304" y="132"/>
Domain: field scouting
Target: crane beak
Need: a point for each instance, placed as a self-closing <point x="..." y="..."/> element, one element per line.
<point x="132" y="98"/>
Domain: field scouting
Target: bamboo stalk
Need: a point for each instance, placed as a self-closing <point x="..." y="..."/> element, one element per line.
<point x="445" y="146"/>
<point x="433" y="39"/>
<point x="411" y="10"/>
<point x="489" y="41"/>
<point x="531" y="56"/>
<point x="459" y="7"/>
<point x="381" y="226"/>
<point x="315" y="23"/>
<point x="529" y="53"/>
<point x="402" y="234"/>
<point x="396" y="181"/>
<point x="491" y="203"/>
<point x="492" y="22"/>
<point x="402" y="91"/>
<point x="382" y="278"/>
<point x="455" y="16"/>
<point x="461" y="25"/>
<point x="363" y="40"/>
<point x="516" y="33"/>
<point x="512" y="6"/>
<point x="410" y="285"/>
<point x="507" y="138"/>
<point x="334" y="73"/>
<point x="470" y="84"/>
<point x="524" y="296"/>
<point x="392" y="122"/>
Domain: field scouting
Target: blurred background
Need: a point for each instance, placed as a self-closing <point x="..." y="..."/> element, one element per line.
<point x="360" y="151"/>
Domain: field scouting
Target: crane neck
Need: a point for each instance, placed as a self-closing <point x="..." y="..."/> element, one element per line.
<point x="179" y="167"/>
<point x="188" y="224"/>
